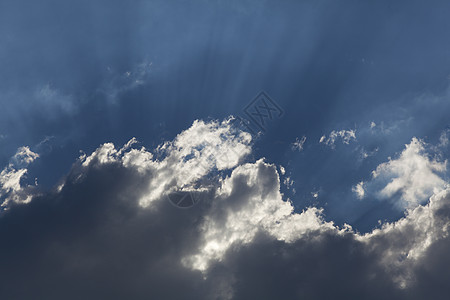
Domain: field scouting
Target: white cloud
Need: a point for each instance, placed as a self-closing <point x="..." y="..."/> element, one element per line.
<point x="345" y="135"/>
<point x="288" y="182"/>
<point x="298" y="144"/>
<point x="359" y="189"/>
<point x="365" y="154"/>
<point x="247" y="203"/>
<point x="411" y="178"/>
<point x="255" y="189"/>
<point x="192" y="155"/>
<point x="11" y="189"/>
<point x="444" y="138"/>
<point x="24" y="156"/>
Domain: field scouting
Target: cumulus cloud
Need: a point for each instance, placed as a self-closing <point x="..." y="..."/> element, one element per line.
<point x="109" y="232"/>
<point x="194" y="153"/>
<point x="409" y="179"/>
<point x="346" y="136"/>
<point x="404" y="243"/>
<point x="11" y="188"/>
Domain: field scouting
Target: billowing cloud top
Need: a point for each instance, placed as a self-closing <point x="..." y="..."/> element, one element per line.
<point x="408" y="180"/>
<point x="109" y="230"/>
<point x="11" y="188"/>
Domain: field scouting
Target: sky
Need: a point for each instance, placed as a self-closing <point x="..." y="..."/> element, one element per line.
<point x="211" y="149"/>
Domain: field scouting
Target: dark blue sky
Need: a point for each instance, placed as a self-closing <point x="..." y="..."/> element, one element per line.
<point x="198" y="208"/>
<point x="74" y="75"/>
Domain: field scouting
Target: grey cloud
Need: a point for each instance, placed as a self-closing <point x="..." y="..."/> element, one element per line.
<point x="93" y="238"/>
<point x="317" y="266"/>
<point x="93" y="241"/>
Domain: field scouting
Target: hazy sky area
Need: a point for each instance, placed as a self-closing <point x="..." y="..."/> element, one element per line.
<point x="111" y="111"/>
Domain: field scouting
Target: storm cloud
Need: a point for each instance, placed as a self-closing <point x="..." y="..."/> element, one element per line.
<point x="93" y="236"/>
<point x="123" y="176"/>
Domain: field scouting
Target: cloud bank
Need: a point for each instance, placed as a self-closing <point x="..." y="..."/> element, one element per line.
<point x="109" y="231"/>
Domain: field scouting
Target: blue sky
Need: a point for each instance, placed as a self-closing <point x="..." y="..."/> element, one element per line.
<point x="82" y="74"/>
<point x="371" y="78"/>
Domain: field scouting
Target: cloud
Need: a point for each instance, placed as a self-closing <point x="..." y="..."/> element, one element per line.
<point x="365" y="154"/>
<point x="404" y="243"/>
<point x="359" y="189"/>
<point x="409" y="179"/>
<point x="345" y="135"/>
<point x="251" y="201"/>
<point x="381" y="264"/>
<point x="52" y="100"/>
<point x="193" y="154"/>
<point x="117" y="84"/>
<point x="110" y="232"/>
<point x="444" y="138"/>
<point x="298" y="144"/>
<point x="23" y="157"/>
<point x="11" y="188"/>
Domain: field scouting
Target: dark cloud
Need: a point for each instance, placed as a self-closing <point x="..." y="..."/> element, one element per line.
<point x="88" y="72"/>
<point x="92" y="240"/>
<point x="317" y="266"/>
<point x="93" y="237"/>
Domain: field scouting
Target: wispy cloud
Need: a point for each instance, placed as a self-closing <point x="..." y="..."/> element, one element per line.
<point x="298" y="144"/>
<point x="346" y="136"/>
